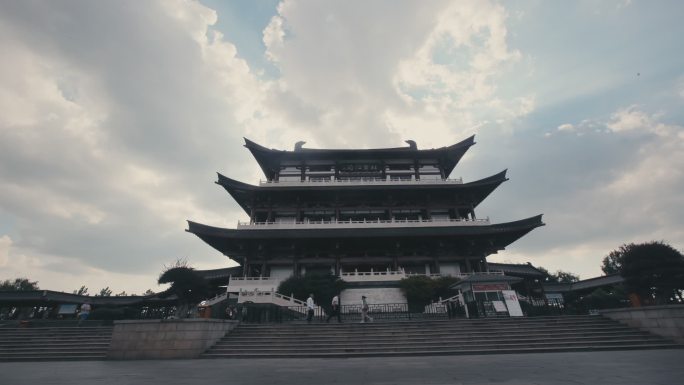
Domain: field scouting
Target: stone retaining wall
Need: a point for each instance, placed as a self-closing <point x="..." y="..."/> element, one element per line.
<point x="161" y="339"/>
<point x="666" y="321"/>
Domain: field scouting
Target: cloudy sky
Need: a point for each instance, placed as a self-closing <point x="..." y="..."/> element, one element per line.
<point x="116" y="116"/>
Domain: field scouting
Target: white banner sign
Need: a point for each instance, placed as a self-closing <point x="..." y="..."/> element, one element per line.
<point x="499" y="307"/>
<point x="512" y="303"/>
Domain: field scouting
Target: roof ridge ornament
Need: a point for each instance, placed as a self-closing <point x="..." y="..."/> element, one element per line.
<point x="412" y="144"/>
<point x="298" y="145"/>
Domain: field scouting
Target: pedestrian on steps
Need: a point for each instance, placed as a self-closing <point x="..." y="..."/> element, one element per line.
<point x="364" y="310"/>
<point x="84" y="312"/>
<point x="310" y="306"/>
<point x="335" y="309"/>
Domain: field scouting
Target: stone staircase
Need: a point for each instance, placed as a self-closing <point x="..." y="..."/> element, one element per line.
<point x="57" y="343"/>
<point x="433" y="337"/>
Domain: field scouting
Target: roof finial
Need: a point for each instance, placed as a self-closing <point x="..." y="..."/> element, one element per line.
<point x="298" y="145"/>
<point x="412" y="144"/>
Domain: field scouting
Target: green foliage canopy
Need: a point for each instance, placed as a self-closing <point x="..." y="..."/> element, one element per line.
<point x="81" y="290"/>
<point x="421" y="290"/>
<point x="186" y="284"/>
<point x="653" y="270"/>
<point x="18" y="284"/>
<point x="104" y="292"/>
<point x="323" y="286"/>
<point x="559" y="276"/>
<point x="612" y="263"/>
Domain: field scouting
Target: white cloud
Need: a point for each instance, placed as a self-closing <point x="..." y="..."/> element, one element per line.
<point x="566" y="127"/>
<point x="5" y="244"/>
<point x="109" y="141"/>
<point x="630" y="118"/>
<point x="373" y="78"/>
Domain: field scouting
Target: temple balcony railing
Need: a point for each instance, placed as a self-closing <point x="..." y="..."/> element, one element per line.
<point x="270" y="284"/>
<point x="397" y="275"/>
<point x="363" y="224"/>
<point x="238" y="284"/>
<point x="360" y="182"/>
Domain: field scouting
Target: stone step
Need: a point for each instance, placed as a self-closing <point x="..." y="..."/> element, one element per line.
<point x="51" y="357"/>
<point x="54" y="339"/>
<point x="391" y="332"/>
<point x="412" y="339"/>
<point x="460" y="321"/>
<point x="412" y="326"/>
<point x="412" y="344"/>
<point x="433" y="337"/>
<point x="465" y="351"/>
<point x="59" y="332"/>
<point x="54" y="343"/>
<point x="437" y="345"/>
<point x="238" y="338"/>
<point x="56" y="350"/>
<point x="54" y="330"/>
<point x="61" y="345"/>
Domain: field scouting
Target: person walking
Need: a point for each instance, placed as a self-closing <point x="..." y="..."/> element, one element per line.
<point x="310" y="306"/>
<point x="84" y="312"/>
<point x="364" y="310"/>
<point x="230" y="312"/>
<point x="335" y="309"/>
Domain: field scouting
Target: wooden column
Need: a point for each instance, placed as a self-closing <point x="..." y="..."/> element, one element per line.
<point x="337" y="265"/>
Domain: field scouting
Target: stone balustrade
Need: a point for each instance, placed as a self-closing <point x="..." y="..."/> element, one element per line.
<point x="237" y="284"/>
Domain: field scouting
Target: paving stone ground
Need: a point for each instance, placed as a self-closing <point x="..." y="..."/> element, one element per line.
<point x="646" y="367"/>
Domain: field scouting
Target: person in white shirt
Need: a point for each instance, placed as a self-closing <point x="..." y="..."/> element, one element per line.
<point x="310" y="306"/>
<point x="335" y="309"/>
<point x="83" y="314"/>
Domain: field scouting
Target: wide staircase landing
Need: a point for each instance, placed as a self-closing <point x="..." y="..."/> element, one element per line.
<point x="439" y="337"/>
<point x="60" y="343"/>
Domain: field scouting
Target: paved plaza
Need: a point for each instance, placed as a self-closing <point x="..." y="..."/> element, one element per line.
<point x="645" y="367"/>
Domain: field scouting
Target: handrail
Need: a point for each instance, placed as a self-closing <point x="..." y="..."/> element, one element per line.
<point x="273" y="294"/>
<point x="214" y="300"/>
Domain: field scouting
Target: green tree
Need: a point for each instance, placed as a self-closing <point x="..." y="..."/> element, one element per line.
<point x="565" y="277"/>
<point x="188" y="286"/>
<point x="323" y="286"/>
<point x="421" y="290"/>
<point x="18" y="284"/>
<point x="653" y="270"/>
<point x="104" y="292"/>
<point x="559" y="276"/>
<point x="81" y="291"/>
<point x="605" y="298"/>
<point x="612" y="263"/>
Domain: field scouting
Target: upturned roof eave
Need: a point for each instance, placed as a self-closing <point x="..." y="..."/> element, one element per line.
<point x="268" y="159"/>
<point x="527" y="224"/>
<point x="243" y="192"/>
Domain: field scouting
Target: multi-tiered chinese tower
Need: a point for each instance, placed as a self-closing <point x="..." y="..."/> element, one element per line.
<point x="370" y="216"/>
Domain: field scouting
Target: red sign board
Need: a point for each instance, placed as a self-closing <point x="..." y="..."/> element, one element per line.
<point x="490" y="286"/>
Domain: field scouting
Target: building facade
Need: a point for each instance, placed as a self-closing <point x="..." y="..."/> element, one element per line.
<point x="370" y="216"/>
